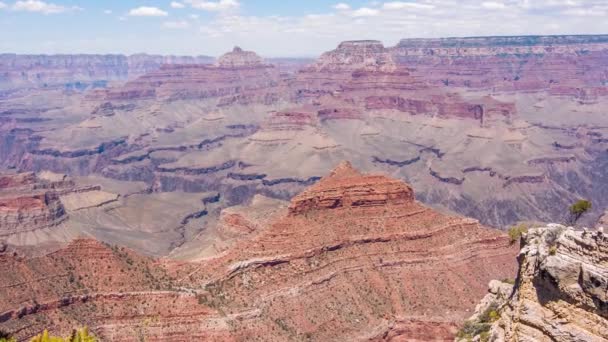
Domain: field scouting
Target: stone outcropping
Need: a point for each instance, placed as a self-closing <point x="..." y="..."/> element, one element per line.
<point x="28" y="203"/>
<point x="369" y="55"/>
<point x="239" y="58"/>
<point x="561" y="292"/>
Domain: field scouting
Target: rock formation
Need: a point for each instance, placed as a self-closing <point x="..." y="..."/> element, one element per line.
<point x="365" y="248"/>
<point x="502" y="129"/>
<point x="238" y="77"/>
<point x="238" y="58"/>
<point x="28" y="203"/>
<point x="368" y="55"/>
<point x="560" y="293"/>
<point x="81" y="71"/>
<point x="352" y="258"/>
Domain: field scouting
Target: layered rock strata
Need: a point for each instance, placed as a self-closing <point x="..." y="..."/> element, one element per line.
<point x="352" y="259"/>
<point x="561" y="289"/>
<point x="364" y="248"/>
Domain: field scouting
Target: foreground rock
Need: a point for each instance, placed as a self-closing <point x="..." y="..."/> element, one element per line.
<point x="560" y="293"/>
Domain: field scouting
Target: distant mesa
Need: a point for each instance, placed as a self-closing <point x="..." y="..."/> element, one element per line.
<point x="239" y="58"/>
<point x="370" y="55"/>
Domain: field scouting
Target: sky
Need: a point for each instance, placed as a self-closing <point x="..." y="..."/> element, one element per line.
<point x="274" y="28"/>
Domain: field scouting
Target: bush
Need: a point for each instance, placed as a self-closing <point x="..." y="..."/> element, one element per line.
<point x="516" y="232"/>
<point x="81" y="335"/>
<point x="510" y="281"/>
<point x="552" y="250"/>
<point x="577" y="210"/>
<point x="470" y="329"/>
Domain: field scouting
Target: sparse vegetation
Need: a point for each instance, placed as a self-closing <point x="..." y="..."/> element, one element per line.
<point x="6" y="337"/>
<point x="481" y="326"/>
<point x="516" y="232"/>
<point x="552" y="250"/>
<point x="80" y="335"/>
<point x="577" y="210"/>
<point x="508" y="281"/>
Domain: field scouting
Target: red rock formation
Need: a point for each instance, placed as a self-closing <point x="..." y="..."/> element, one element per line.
<point x="524" y="63"/>
<point x="118" y="294"/>
<point x="239" y="77"/>
<point x="354" y="258"/>
<point x="238" y="58"/>
<point x="27" y="204"/>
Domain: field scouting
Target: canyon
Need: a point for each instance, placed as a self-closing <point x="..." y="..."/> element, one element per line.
<point x="502" y="129"/>
<point x="172" y="198"/>
<point x="349" y="241"/>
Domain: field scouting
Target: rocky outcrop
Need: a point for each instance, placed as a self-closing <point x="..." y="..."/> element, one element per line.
<point x="345" y="187"/>
<point x="238" y="58"/>
<point x="561" y="290"/>
<point x="368" y="55"/>
<point x="28" y="203"/>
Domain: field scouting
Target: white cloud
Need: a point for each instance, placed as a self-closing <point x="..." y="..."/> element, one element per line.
<point x="175" y="4"/>
<point x="399" y="5"/>
<point x="365" y="12"/>
<point x="176" y="25"/>
<point x="194" y="16"/>
<point x="342" y="6"/>
<point x="40" y="6"/>
<point x="145" y="11"/>
<point x="492" y="5"/>
<point x="2" y="5"/>
<point x="219" y="6"/>
<point x="107" y="11"/>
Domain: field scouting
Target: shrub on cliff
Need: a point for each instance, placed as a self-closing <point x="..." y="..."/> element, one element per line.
<point x="516" y="232"/>
<point x="81" y="335"/>
<point x="577" y="210"/>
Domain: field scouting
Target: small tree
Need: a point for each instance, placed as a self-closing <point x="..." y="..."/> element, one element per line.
<point x="516" y="232"/>
<point x="577" y="210"/>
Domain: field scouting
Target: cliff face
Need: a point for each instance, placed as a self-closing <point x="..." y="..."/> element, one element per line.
<point x="28" y="203"/>
<point x="561" y="290"/>
<point x="526" y="63"/>
<point x="96" y="70"/>
<point x="238" y="77"/>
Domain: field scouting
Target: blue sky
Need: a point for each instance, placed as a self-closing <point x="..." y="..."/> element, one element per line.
<point x="274" y="27"/>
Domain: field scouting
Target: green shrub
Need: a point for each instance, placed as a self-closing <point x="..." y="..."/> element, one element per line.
<point x="508" y="281"/>
<point x="81" y="335"/>
<point x="577" y="210"/>
<point x="516" y="232"/>
<point x="552" y="250"/>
